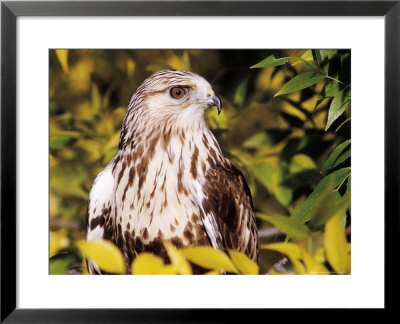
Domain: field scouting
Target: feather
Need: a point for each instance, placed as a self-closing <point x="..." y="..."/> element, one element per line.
<point x="170" y="180"/>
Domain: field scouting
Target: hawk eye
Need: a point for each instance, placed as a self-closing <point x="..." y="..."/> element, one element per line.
<point x="177" y="92"/>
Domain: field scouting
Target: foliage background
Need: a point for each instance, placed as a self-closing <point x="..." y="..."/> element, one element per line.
<point x="279" y="142"/>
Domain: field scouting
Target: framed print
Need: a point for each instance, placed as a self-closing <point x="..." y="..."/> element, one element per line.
<point x="226" y="138"/>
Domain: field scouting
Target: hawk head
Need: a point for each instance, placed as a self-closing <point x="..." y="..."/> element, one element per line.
<point x="174" y="96"/>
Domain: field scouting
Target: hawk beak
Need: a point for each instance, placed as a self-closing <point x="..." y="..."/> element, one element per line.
<point x="215" y="101"/>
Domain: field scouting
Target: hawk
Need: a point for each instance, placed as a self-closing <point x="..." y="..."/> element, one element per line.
<point x="169" y="179"/>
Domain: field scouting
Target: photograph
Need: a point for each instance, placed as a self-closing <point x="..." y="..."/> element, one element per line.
<point x="200" y="161"/>
<point x="155" y="142"/>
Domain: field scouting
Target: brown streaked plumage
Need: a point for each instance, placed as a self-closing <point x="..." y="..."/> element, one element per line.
<point x="170" y="180"/>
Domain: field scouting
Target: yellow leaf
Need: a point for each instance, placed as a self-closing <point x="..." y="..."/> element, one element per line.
<point x="146" y="264"/>
<point x="290" y="249"/>
<point x="58" y="241"/>
<point x="108" y="156"/>
<point x="105" y="126"/>
<point x="301" y="163"/>
<point x="215" y="120"/>
<point x="178" y="259"/>
<point x="209" y="258"/>
<point x="92" y="147"/>
<point x="105" y="254"/>
<point x="81" y="74"/>
<point x="118" y="116"/>
<point x="62" y="56"/>
<point x="175" y="62"/>
<point x="186" y="60"/>
<point x="307" y="55"/>
<point x="84" y="267"/>
<point x="336" y="246"/>
<point x="74" y="134"/>
<point x="96" y="99"/>
<point x="289" y="109"/>
<point x="130" y="67"/>
<point x="179" y="63"/>
<point x="213" y="272"/>
<point x="299" y="267"/>
<point x="319" y="255"/>
<point x="52" y="161"/>
<point x="274" y="272"/>
<point x="243" y="263"/>
<point x="167" y="270"/>
<point x="112" y="142"/>
<point x="312" y="265"/>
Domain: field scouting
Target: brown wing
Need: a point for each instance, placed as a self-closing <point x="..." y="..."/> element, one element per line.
<point x="228" y="205"/>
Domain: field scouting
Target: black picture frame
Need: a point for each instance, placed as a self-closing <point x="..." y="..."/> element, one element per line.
<point x="10" y="10"/>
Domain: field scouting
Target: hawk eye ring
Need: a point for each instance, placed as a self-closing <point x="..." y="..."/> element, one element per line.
<point x="177" y="92"/>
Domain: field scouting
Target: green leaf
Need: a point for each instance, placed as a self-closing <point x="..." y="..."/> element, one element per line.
<point x="342" y="124"/>
<point x="331" y="53"/>
<point x="263" y="173"/>
<point x="330" y="89"/>
<point x="335" y="158"/>
<point x="321" y="57"/>
<point x="317" y="56"/>
<point x="338" y="106"/>
<point x="345" y="63"/>
<point x="293" y="146"/>
<point x="349" y="189"/>
<point x="301" y="163"/>
<point x="323" y="209"/>
<point x="342" y="158"/>
<point x="209" y="258"/>
<point x="105" y="254"/>
<point x="243" y="263"/>
<point x="270" y="61"/>
<point x="281" y="185"/>
<point x="343" y="215"/>
<point x="344" y="56"/>
<point x="59" y="141"/>
<point x="276" y="181"/>
<point x="301" y="81"/>
<point x="240" y="94"/>
<point x="302" y="212"/>
<point x="284" y="195"/>
<point x="258" y="140"/>
<point x="287" y="225"/>
<point x="59" y="266"/>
